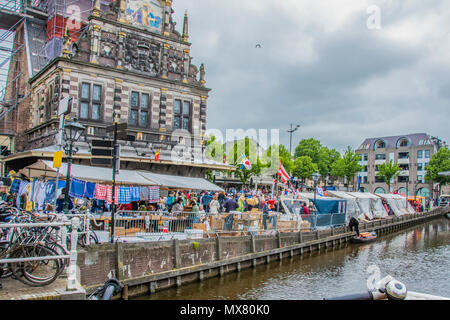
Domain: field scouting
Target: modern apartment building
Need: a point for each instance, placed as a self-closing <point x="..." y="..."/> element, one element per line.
<point x="411" y="152"/>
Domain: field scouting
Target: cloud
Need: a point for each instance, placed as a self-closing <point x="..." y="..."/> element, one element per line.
<point x="321" y="67"/>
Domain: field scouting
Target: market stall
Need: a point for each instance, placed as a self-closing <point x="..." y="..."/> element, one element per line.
<point x="353" y="210"/>
<point x="370" y="204"/>
<point x="398" y="204"/>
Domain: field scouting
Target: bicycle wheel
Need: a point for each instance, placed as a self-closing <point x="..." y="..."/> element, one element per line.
<point x="41" y="272"/>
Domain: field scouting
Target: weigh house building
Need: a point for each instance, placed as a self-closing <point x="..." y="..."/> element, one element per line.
<point x="120" y="60"/>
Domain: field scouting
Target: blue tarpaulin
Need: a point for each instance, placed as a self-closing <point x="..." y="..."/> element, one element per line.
<point x="330" y="206"/>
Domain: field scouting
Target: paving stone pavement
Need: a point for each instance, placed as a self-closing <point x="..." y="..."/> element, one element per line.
<point x="16" y="290"/>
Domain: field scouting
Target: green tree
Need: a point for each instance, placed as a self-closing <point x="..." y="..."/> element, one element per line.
<point x="346" y="166"/>
<point x="304" y="167"/>
<point x="215" y="150"/>
<point x="322" y="156"/>
<point x="440" y="162"/>
<point x="273" y="155"/>
<point x="351" y="162"/>
<point x="387" y="171"/>
<point x="309" y="147"/>
<point x="337" y="169"/>
<point x="234" y="157"/>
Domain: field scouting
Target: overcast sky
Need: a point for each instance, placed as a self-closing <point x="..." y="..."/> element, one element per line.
<point x="324" y="65"/>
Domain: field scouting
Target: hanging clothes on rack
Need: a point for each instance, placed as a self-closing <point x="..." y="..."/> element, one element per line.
<point x="124" y="195"/>
<point x="135" y="193"/>
<point x="90" y="190"/>
<point x="109" y="195"/>
<point x="50" y="190"/>
<point x="100" y="192"/>
<point x="39" y="194"/>
<point x="144" y="194"/>
<point x="154" y="194"/>
<point x="22" y="189"/>
<point x="77" y="188"/>
<point x="15" y="186"/>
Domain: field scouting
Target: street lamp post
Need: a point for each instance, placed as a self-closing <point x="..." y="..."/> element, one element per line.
<point x="72" y="132"/>
<point x="316" y="176"/>
<point x="290" y="136"/>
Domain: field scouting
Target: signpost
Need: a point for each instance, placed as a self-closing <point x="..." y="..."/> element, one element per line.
<point x="64" y="108"/>
<point x="107" y="152"/>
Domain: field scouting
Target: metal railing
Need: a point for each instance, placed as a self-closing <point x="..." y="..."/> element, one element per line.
<point x="163" y="225"/>
<point x="61" y="229"/>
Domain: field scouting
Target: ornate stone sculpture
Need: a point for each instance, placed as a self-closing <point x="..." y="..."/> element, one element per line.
<point x="142" y="55"/>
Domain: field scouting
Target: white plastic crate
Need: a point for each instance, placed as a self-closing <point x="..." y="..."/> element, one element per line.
<point x="194" y="233"/>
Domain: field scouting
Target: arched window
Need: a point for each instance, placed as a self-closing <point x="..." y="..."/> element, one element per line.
<point x="403" y="191"/>
<point x="424" y="192"/>
<point x="403" y="142"/>
<point x="380" y="144"/>
<point x="380" y="190"/>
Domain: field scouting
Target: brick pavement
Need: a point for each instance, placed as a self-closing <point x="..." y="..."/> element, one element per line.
<point x="16" y="290"/>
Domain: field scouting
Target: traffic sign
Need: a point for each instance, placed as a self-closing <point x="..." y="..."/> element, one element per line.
<point x="120" y="127"/>
<point x="102" y="143"/>
<point x="101" y="162"/>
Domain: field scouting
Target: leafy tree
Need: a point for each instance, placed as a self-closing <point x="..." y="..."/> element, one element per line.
<point x="351" y="163"/>
<point x="273" y="155"/>
<point x="337" y="169"/>
<point x="304" y="167"/>
<point x="440" y="162"/>
<point x="322" y="156"/>
<point x="387" y="171"/>
<point x="309" y="147"/>
<point x="234" y="157"/>
<point x="347" y="166"/>
<point x="215" y="150"/>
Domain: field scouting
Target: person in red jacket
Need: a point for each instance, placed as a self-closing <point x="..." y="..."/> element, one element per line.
<point x="305" y="209"/>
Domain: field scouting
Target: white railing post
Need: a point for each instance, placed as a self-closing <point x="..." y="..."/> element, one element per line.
<point x="72" y="283"/>
<point x="87" y="222"/>
<point x="63" y="231"/>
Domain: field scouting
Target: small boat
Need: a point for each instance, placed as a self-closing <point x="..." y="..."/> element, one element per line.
<point x="364" y="237"/>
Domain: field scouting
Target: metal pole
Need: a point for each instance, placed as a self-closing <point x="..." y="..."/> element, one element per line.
<point x="61" y="133"/>
<point x="315" y="189"/>
<point x="290" y="141"/>
<point x="69" y="165"/>
<point x="113" y="207"/>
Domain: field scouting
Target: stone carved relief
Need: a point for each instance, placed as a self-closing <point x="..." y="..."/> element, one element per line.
<point x="107" y="50"/>
<point x="175" y="63"/>
<point x="142" y="55"/>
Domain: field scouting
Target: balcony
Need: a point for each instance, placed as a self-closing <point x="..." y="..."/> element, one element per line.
<point x="380" y="161"/>
<point x="404" y="173"/>
<point x="403" y="161"/>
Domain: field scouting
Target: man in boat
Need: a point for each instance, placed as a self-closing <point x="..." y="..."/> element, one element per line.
<point x="354" y="224"/>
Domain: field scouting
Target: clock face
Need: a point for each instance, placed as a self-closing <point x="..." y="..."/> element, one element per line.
<point x="145" y="13"/>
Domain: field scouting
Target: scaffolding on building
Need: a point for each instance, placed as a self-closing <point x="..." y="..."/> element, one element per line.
<point x="44" y="23"/>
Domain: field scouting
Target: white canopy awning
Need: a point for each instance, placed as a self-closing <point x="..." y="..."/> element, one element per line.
<point x="44" y="169"/>
<point x="178" y="182"/>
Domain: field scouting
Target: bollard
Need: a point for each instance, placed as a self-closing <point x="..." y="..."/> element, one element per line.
<point x="72" y="282"/>
<point x="153" y="286"/>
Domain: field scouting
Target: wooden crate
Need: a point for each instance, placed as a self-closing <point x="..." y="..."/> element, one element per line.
<point x="305" y="226"/>
<point x="287" y="225"/>
<point x="199" y="226"/>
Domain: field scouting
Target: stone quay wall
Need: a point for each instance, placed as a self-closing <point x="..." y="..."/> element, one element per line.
<point x="144" y="268"/>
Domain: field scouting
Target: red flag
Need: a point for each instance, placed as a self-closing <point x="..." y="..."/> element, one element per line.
<point x="282" y="173"/>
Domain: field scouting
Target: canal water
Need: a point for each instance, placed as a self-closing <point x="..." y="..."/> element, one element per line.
<point x="419" y="257"/>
